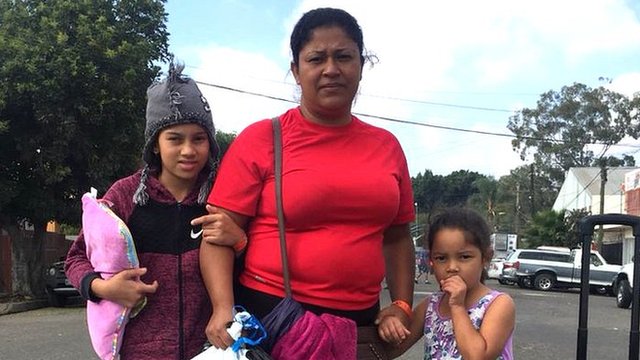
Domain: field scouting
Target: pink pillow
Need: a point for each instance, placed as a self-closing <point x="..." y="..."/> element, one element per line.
<point x="110" y="249"/>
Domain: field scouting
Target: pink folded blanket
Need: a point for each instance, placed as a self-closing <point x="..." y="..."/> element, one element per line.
<point x="314" y="337"/>
<point x="110" y="249"/>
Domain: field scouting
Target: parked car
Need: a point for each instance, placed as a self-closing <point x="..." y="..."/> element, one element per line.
<point x="495" y="271"/>
<point x="58" y="287"/>
<point x="495" y="268"/>
<point x="622" y="286"/>
<point x="546" y="269"/>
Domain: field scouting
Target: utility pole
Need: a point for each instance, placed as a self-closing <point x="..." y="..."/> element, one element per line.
<point x="603" y="182"/>
<point x="531" y="192"/>
<point x="517" y="217"/>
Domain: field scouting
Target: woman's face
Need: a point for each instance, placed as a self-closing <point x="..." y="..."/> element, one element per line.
<point x="329" y="71"/>
<point x="184" y="151"/>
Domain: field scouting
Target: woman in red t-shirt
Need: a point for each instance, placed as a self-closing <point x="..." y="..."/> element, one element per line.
<point x="346" y="193"/>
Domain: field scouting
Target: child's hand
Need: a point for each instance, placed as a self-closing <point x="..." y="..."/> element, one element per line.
<point x="456" y="288"/>
<point x="391" y="330"/>
<point x="124" y="288"/>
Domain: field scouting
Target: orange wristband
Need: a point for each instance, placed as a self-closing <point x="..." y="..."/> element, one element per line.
<point x="404" y="306"/>
<point x="240" y="245"/>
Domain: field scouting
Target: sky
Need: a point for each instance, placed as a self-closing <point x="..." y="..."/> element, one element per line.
<point x="459" y="64"/>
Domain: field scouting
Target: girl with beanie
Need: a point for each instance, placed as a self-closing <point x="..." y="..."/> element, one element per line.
<point x="157" y="204"/>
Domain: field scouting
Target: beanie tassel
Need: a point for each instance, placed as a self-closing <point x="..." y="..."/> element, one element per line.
<point x="206" y="186"/>
<point x="140" y="197"/>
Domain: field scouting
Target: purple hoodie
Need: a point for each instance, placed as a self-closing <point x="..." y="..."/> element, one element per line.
<point x="172" y="324"/>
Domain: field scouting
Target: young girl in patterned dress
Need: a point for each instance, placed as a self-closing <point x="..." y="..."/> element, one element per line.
<point x="465" y="319"/>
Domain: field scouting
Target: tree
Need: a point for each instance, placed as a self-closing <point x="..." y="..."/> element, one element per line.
<point x="547" y="227"/>
<point x="224" y="140"/>
<point x="427" y="191"/>
<point x="485" y="200"/>
<point x="571" y="222"/>
<point x="73" y="79"/>
<point x="459" y="186"/>
<point x="522" y="193"/>
<point x="559" y="129"/>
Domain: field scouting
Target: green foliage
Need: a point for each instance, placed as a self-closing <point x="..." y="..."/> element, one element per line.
<point x="521" y="194"/>
<point x="557" y="131"/>
<point x="485" y="201"/>
<point x="73" y="79"/>
<point x="69" y="229"/>
<point x="547" y="227"/>
<point x="434" y="192"/>
<point x="572" y="217"/>
<point x="427" y="191"/>
<point x="459" y="186"/>
<point x="224" y="140"/>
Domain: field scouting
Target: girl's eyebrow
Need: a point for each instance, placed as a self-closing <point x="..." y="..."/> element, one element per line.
<point x="176" y="132"/>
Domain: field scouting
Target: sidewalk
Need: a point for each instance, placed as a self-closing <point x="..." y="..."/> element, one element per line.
<point x="14" y="304"/>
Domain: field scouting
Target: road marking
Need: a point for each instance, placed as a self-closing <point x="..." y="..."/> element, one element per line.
<point x="539" y="294"/>
<point x="422" y="292"/>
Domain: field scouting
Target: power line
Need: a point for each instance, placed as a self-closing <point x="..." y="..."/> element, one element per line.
<point x="245" y="92"/>
<point x="442" y="104"/>
<point x="439" y="126"/>
<point x="409" y="122"/>
<point x="470" y="107"/>
<point x="435" y="103"/>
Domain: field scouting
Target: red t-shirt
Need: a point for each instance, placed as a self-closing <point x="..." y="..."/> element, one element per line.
<point x="342" y="187"/>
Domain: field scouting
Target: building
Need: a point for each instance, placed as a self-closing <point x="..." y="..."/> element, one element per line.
<point x="581" y="191"/>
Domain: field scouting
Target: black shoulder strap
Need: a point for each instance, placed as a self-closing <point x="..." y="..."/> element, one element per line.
<point x="277" y="154"/>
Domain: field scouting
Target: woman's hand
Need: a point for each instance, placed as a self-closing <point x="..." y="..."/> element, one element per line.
<point x="391" y="329"/>
<point x="217" y="329"/>
<point x="124" y="288"/>
<point x="396" y="322"/>
<point x="219" y="228"/>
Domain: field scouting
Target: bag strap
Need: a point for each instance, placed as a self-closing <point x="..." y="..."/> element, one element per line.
<point x="277" y="155"/>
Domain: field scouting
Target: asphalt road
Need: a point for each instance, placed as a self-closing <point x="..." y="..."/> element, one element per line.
<point x="546" y="328"/>
<point x="547" y="325"/>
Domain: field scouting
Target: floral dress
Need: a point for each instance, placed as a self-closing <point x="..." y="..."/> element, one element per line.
<point x="440" y="342"/>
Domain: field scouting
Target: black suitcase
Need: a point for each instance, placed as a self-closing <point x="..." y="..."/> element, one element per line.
<point x="586" y="226"/>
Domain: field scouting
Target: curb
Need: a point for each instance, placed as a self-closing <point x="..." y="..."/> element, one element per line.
<point x="15" y="307"/>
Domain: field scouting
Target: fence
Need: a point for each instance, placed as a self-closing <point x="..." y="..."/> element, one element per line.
<point x="54" y="248"/>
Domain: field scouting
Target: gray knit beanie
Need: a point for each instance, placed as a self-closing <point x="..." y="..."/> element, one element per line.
<point x="171" y="101"/>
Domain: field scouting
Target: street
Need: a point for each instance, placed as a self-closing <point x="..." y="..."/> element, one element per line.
<point x="546" y="328"/>
<point x="547" y="325"/>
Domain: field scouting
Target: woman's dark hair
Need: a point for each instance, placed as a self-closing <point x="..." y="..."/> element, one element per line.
<point x="475" y="229"/>
<point x="324" y="17"/>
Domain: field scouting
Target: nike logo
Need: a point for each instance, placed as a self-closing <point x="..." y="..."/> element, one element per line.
<point x="195" y="235"/>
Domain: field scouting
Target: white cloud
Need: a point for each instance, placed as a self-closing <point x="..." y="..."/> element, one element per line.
<point x="492" y="54"/>
<point x="626" y="84"/>
<point x="248" y="72"/>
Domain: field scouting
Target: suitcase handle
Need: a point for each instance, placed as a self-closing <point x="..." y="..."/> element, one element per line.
<point x="585" y="227"/>
<point x="587" y="223"/>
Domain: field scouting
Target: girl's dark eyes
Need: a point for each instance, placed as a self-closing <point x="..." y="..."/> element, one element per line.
<point x="177" y="139"/>
<point x="443" y="258"/>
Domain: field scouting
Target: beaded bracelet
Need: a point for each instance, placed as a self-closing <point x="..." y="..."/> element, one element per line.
<point x="404" y="306"/>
